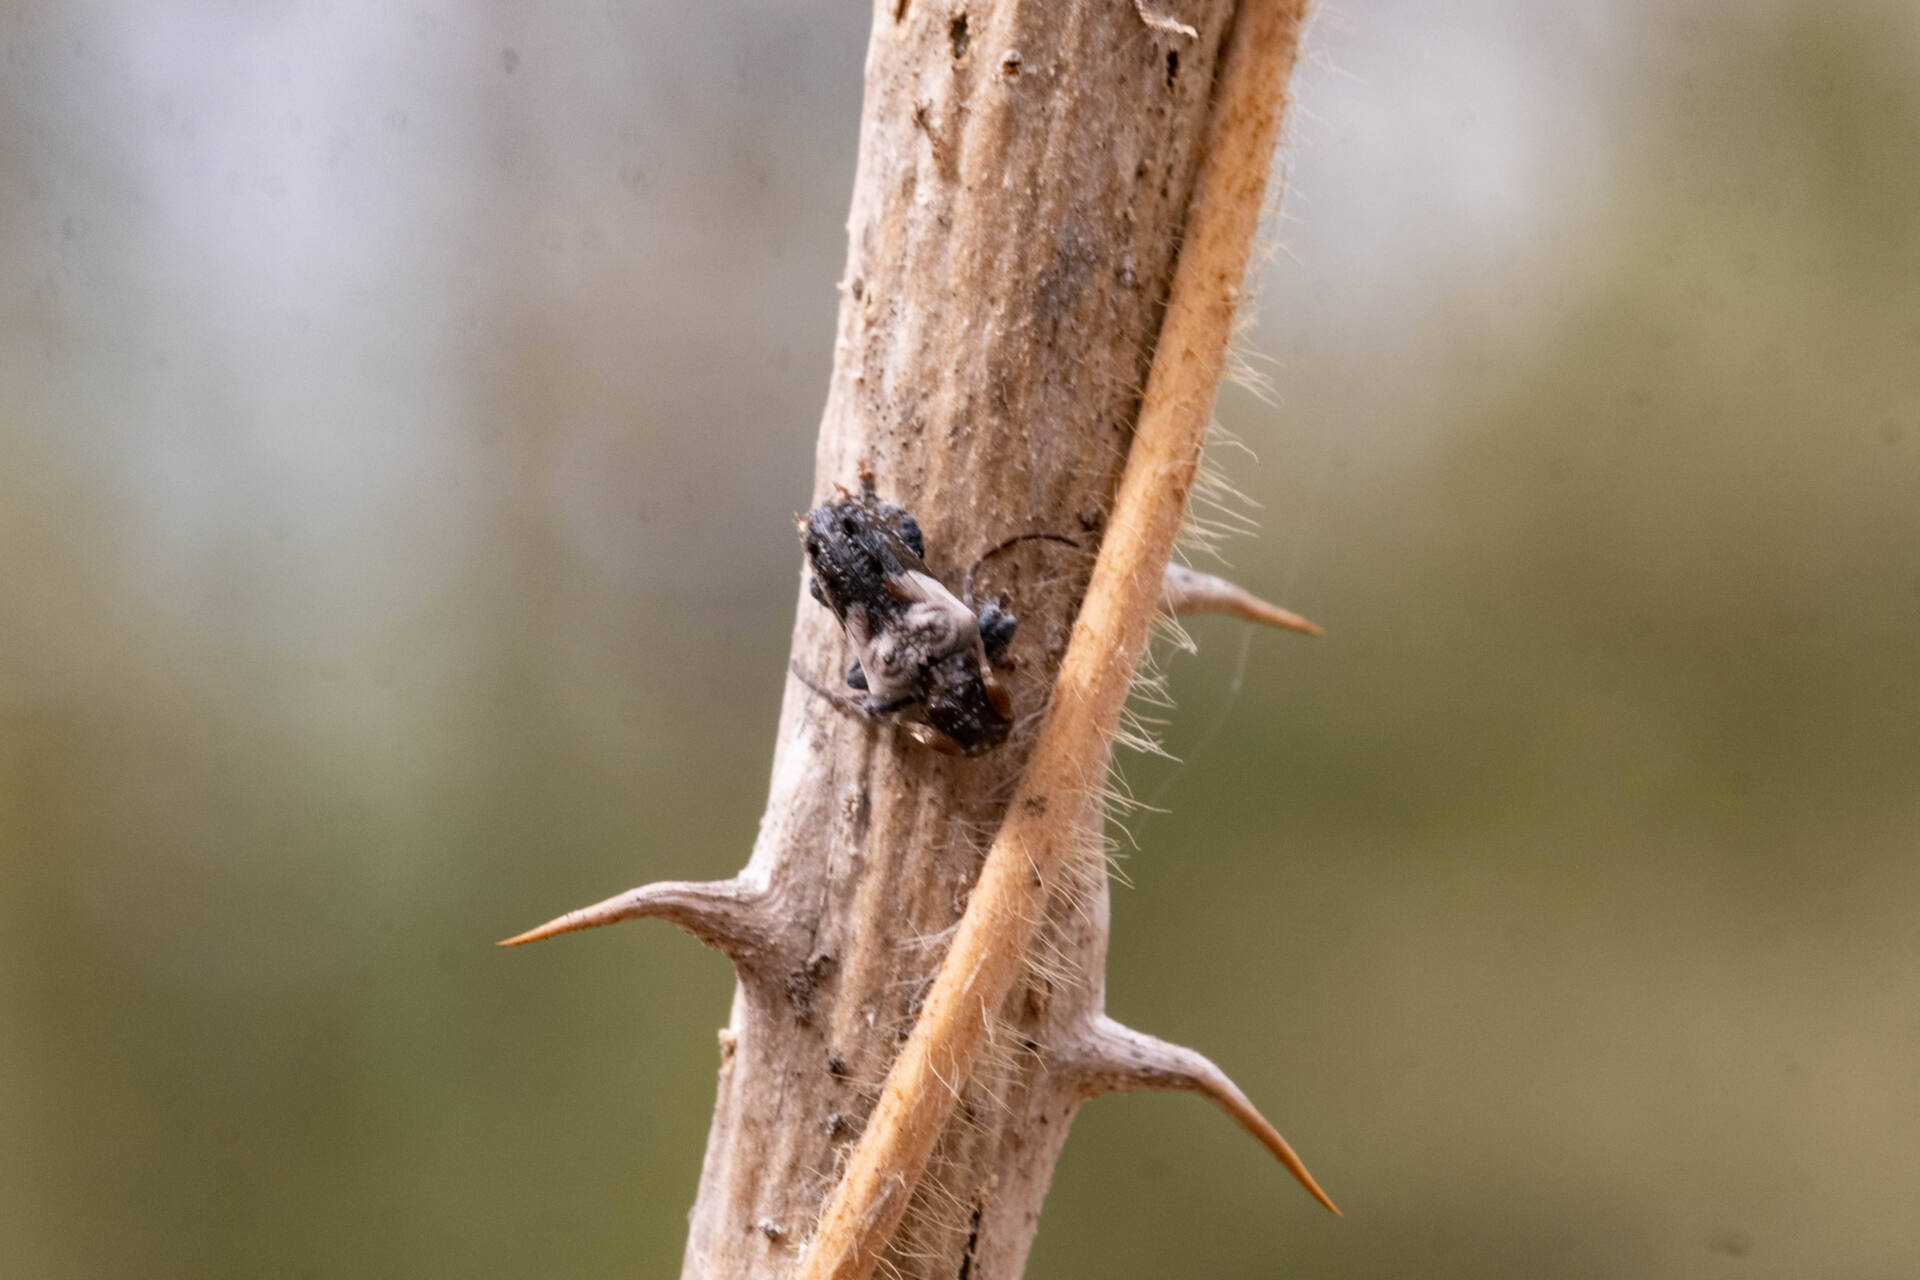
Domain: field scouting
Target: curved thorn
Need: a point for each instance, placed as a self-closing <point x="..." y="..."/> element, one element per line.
<point x="1184" y="591"/>
<point x="725" y="914"/>
<point x="1112" y="1058"/>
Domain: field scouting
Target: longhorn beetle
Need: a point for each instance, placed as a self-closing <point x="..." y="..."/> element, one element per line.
<point x="925" y="659"/>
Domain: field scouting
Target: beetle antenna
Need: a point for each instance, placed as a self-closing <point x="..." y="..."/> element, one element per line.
<point x="966" y="584"/>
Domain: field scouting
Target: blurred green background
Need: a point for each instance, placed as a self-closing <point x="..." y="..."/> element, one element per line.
<point x="404" y="411"/>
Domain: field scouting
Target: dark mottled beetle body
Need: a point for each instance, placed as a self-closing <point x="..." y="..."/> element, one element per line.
<point x="923" y="658"/>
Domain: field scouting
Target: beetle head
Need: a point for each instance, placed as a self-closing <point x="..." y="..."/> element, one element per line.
<point x="855" y="550"/>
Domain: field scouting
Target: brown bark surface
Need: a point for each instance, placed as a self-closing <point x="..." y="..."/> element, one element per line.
<point x="1023" y="172"/>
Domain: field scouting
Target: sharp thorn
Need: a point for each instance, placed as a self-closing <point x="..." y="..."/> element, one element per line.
<point x="1186" y="591"/>
<point x="721" y="913"/>
<point x="1111" y="1058"/>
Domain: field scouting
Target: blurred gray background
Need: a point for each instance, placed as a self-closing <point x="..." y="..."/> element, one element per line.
<point x="405" y="407"/>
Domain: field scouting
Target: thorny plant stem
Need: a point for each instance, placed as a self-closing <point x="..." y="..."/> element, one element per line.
<point x="1065" y="770"/>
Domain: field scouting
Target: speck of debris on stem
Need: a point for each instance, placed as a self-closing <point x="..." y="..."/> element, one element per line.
<point x="1173" y="66"/>
<point x="800" y="986"/>
<point x="957" y="36"/>
<point x="1010" y="63"/>
<point x="836" y="1066"/>
<point x="973" y="1245"/>
<point x="858" y="807"/>
<point x="771" y="1230"/>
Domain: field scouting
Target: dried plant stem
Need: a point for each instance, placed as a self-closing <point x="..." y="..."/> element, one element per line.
<point x="1068" y="762"/>
<point x="1028" y="171"/>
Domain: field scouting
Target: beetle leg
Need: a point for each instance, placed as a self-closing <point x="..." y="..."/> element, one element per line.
<point x="996" y="629"/>
<point x="928" y="736"/>
<point x="861" y="709"/>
